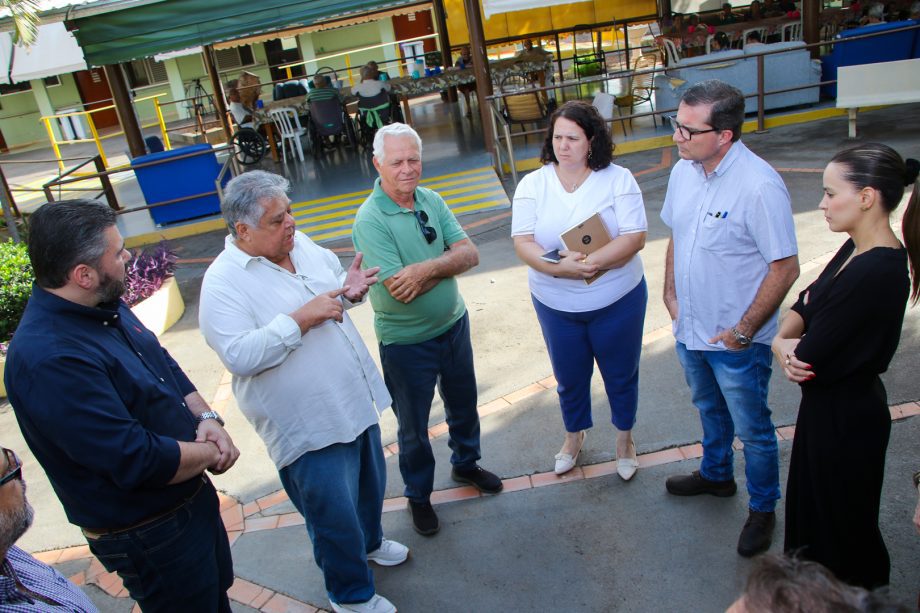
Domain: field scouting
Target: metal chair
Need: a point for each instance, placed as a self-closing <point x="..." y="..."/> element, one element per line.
<point x="288" y="125"/>
<point x="792" y="31"/>
<point x="526" y="106"/>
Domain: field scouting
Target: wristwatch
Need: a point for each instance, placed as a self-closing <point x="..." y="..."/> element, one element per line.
<point x="210" y="415"/>
<point x="742" y="339"/>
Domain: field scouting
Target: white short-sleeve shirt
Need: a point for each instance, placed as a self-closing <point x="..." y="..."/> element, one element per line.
<point x="727" y="227"/>
<point x="544" y="209"/>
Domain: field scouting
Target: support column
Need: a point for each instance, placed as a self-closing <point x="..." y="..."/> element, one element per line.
<point x="481" y="70"/>
<point x="44" y="104"/>
<point x="176" y="87"/>
<point x="307" y="52"/>
<point x="125" y="110"/>
<point x="440" y="23"/>
<point x="208" y="52"/>
<point x="811" y="28"/>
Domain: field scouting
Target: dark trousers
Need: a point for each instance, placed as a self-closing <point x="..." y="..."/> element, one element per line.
<point x="179" y="562"/>
<point x="411" y="373"/>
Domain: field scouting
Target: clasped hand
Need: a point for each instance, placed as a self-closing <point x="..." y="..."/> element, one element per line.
<point x="210" y="430"/>
<point x="795" y="369"/>
<point x="574" y="265"/>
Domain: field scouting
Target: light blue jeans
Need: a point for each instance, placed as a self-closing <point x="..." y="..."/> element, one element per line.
<point x="730" y="390"/>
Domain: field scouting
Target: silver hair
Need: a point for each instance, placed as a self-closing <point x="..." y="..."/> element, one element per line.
<point x="394" y="129"/>
<point x="877" y="10"/>
<point x="244" y="194"/>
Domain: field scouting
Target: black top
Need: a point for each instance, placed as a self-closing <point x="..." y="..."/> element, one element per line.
<point x="853" y="319"/>
<point x="102" y="405"/>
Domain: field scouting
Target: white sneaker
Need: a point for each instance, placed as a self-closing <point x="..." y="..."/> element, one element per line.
<point x="377" y="604"/>
<point x="390" y="553"/>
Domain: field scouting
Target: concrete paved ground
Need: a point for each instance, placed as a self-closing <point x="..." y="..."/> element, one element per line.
<point x="590" y="544"/>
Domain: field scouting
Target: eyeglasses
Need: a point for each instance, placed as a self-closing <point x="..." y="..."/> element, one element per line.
<point x="428" y="232"/>
<point x="14" y="467"/>
<point x="685" y="132"/>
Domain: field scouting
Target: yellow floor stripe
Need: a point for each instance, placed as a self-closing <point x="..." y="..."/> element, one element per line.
<point x="464" y="191"/>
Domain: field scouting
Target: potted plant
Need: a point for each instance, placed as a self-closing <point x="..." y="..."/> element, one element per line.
<point x="152" y="291"/>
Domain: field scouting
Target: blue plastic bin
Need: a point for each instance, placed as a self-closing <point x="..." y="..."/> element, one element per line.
<point x="176" y="179"/>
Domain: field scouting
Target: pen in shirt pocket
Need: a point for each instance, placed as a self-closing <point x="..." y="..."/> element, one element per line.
<point x="718" y="214"/>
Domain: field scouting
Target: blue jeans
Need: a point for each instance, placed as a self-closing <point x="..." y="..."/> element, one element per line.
<point x="411" y="373"/>
<point x="730" y="390"/>
<point x="339" y="491"/>
<point x="179" y="562"/>
<point x="612" y="336"/>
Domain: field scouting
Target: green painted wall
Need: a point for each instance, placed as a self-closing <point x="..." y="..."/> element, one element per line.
<point x="20" y="119"/>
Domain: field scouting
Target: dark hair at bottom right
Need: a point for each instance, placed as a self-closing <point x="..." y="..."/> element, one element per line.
<point x="880" y="167"/>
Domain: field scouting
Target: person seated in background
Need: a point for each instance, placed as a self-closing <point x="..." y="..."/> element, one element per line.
<point x="719" y="42"/>
<point x="369" y="85"/>
<point x="915" y="10"/>
<point x="466" y="61"/>
<point x="696" y="33"/>
<point x="323" y="90"/>
<point x="673" y="26"/>
<point x="755" y="12"/>
<point x="727" y="16"/>
<point x="782" y="584"/>
<point x="753" y="40"/>
<point x="772" y="9"/>
<point x="241" y="115"/>
<point x="875" y="13"/>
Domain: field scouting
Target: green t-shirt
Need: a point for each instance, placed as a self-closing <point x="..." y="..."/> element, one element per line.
<point x="389" y="236"/>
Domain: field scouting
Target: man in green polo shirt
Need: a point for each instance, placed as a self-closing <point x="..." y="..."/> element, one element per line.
<point x="420" y="319"/>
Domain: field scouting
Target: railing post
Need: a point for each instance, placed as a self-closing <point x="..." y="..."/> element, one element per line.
<point x="156" y="104"/>
<point x="760" y="97"/>
<point x="54" y="143"/>
<point x="92" y="129"/>
<point x="106" y="184"/>
<point x="9" y="194"/>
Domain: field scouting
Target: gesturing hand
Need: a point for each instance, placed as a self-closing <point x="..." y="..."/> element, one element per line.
<point x="359" y="281"/>
<point x="325" y="306"/>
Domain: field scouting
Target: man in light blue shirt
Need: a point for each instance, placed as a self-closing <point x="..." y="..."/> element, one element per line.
<point x="731" y="259"/>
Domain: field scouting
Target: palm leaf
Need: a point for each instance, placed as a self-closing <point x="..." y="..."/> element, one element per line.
<point x="25" y="19"/>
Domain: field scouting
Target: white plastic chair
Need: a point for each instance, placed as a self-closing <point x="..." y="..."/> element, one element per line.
<point x="709" y="43"/>
<point x="671" y="52"/>
<point x="792" y="31"/>
<point x="744" y="35"/>
<point x="288" y="125"/>
<point x="604" y="103"/>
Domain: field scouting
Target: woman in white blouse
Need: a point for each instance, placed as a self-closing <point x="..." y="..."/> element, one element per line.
<point x="581" y="322"/>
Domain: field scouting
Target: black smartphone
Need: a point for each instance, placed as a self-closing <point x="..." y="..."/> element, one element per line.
<point x="552" y="257"/>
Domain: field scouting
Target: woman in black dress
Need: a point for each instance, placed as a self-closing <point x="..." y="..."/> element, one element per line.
<point x="836" y="340"/>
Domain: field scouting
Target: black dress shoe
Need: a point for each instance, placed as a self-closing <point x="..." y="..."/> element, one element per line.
<point x="424" y="519"/>
<point x="695" y="484"/>
<point x="481" y="479"/>
<point x="757" y="533"/>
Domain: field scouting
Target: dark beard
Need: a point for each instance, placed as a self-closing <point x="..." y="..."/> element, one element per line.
<point x="110" y="289"/>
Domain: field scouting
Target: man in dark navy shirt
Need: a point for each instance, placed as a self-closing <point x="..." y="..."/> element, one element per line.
<point x="120" y="430"/>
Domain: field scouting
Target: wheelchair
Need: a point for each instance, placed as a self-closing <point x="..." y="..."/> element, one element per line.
<point x="329" y="119"/>
<point x="249" y="146"/>
<point x="374" y="112"/>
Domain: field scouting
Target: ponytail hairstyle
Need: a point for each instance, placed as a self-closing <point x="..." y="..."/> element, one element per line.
<point x="881" y="168"/>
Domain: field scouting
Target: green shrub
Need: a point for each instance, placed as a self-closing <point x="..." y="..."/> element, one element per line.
<point x="15" y="287"/>
<point x="588" y="69"/>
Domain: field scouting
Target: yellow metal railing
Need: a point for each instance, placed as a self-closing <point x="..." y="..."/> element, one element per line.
<point x="96" y="138"/>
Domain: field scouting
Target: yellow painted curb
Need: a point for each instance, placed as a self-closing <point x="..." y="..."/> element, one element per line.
<point x="161" y="310"/>
<point x="2" y="366"/>
<point x="191" y="229"/>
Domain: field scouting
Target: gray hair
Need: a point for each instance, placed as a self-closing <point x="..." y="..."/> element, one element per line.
<point x="394" y="130"/>
<point x="244" y="194"/>
<point x="727" y="112"/>
<point x="877" y="10"/>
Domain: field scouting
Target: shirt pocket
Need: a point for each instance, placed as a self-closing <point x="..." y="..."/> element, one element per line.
<point x="713" y="233"/>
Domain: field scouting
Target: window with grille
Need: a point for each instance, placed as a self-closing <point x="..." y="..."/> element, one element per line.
<point x="145" y="72"/>
<point x="234" y="57"/>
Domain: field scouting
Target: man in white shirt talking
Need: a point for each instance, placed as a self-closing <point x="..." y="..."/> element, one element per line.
<point x="273" y="308"/>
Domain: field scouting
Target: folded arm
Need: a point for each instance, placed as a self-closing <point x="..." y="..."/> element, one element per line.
<point x="421" y="277"/>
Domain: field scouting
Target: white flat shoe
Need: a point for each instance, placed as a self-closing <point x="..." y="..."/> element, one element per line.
<point x="627" y="467"/>
<point x="566" y="462"/>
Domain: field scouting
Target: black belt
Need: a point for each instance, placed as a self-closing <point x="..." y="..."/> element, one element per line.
<point x="101" y="532"/>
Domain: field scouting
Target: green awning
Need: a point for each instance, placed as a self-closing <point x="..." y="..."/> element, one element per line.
<point x="144" y="30"/>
